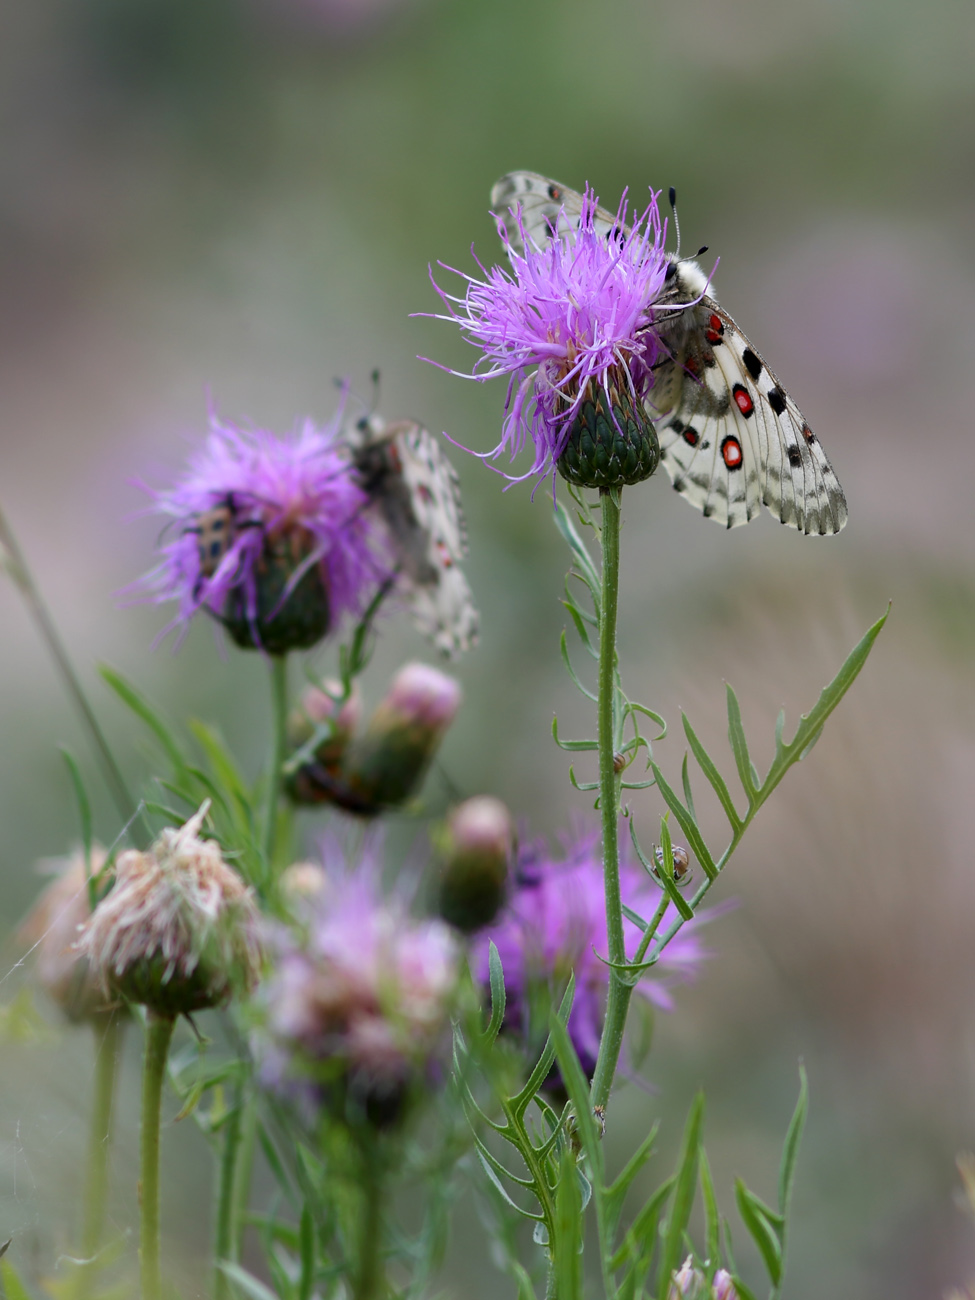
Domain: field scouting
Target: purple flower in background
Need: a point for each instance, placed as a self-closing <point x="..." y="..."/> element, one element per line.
<point x="555" y="923"/>
<point x="358" y="1009"/>
<point x="269" y="535"/>
<point x="572" y="328"/>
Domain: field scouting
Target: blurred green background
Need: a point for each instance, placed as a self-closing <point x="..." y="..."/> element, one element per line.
<point x="240" y="198"/>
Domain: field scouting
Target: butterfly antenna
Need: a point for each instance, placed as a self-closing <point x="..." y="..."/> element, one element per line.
<point x="672" y="195"/>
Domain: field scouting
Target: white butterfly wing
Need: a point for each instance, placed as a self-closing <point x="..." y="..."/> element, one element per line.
<point x="732" y="439"/>
<point x="415" y="491"/>
<point x="547" y="209"/>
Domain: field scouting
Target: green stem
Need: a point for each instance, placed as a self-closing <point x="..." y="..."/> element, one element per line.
<point x="159" y="1033"/>
<point x="108" y="1033"/>
<point x="20" y="574"/>
<point x="279" y="718"/>
<point x="245" y="1168"/>
<point x="620" y="990"/>
<point x="370" y="1274"/>
<point x="223" y="1244"/>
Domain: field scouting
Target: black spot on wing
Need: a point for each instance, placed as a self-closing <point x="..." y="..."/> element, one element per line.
<point x="752" y="364"/>
<point x="776" y="399"/>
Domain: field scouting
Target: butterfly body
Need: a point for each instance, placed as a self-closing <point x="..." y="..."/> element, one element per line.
<point x="413" y="488"/>
<point x="731" y="438"/>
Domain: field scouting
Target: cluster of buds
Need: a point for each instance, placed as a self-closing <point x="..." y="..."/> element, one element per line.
<point x="382" y="766"/>
<point x="357" y="1012"/>
<point x="690" y="1283"/>
<point x="51" y="929"/>
<point x="179" y="929"/>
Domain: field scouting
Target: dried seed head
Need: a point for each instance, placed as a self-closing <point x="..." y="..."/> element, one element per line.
<point x="51" y="929"/>
<point x="178" y="932"/>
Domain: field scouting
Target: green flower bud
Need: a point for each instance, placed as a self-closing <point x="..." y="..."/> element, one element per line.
<point x="612" y="440"/>
<point x="476" y="846"/>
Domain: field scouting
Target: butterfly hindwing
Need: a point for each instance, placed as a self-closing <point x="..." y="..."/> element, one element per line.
<point x="731" y="438"/>
<point x="414" y="489"/>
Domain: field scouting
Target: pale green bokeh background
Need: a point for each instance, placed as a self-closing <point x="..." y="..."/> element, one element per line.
<point x="242" y="200"/>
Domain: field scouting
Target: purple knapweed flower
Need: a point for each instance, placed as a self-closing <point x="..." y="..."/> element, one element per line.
<point x="572" y="326"/>
<point x="357" y="1012"/>
<point x="269" y="535"/>
<point x="554" y="924"/>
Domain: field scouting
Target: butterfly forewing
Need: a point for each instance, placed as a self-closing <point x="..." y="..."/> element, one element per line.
<point x="731" y="438"/>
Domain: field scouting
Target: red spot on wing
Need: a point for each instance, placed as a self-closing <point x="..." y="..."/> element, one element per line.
<point x="715" y="330"/>
<point x="743" y="399"/>
<point x="731" y="453"/>
<point x="691" y="437"/>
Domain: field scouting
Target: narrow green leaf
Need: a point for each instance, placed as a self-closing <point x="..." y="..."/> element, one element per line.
<point x="84" y="817"/>
<point x="584" y="690"/>
<point x="712" y="1220"/>
<point x="306" y="1278"/>
<point x="140" y="706"/>
<point x="715" y="779"/>
<point x="247" y="1282"/>
<point x="520" y="1102"/>
<point x="641" y="1235"/>
<point x="790" y="1151"/>
<point x="584" y="787"/>
<point x="666" y="877"/>
<point x="568" y="530"/>
<point x="739" y="745"/>
<point x="13" y="1287"/>
<point x="688" y="825"/>
<point x="684" y="1189"/>
<point x="568" y="1230"/>
<point x="577" y="1086"/>
<point x="486" y="1164"/>
<point x="573" y="746"/>
<point x="762" y="1232"/>
<point x="685" y="777"/>
<point x="219" y="758"/>
<point x="615" y="1194"/>
<point x="274" y="1163"/>
<point x="498" y="995"/>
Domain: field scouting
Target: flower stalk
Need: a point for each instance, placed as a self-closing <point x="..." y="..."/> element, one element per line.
<point x="108" y="1031"/>
<point x="279" y="748"/>
<point x="620" y="990"/>
<point x="159" y="1034"/>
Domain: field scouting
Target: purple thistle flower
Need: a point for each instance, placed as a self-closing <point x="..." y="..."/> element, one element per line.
<point x="358" y="1009"/>
<point x="555" y="924"/>
<point x="572" y="325"/>
<point x="271" y="536"/>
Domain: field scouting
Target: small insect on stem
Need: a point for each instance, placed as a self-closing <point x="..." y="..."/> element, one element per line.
<point x="682" y="863"/>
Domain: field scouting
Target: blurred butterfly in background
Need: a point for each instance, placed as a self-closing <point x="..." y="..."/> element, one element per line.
<point x="413" y="489"/>
<point x="731" y="438"/>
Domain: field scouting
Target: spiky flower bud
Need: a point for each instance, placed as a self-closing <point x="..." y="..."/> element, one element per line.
<point x="476" y="847"/>
<point x="51" y="929"/>
<point x="178" y="932"/>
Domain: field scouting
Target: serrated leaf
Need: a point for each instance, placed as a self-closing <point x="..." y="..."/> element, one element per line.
<point x="520" y="1102"/>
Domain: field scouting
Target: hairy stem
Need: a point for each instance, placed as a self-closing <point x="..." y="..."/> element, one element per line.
<point x="620" y="990"/>
<point x="279" y="717"/>
<point x="16" y="566"/>
<point x="108" y="1034"/>
<point x="159" y="1033"/>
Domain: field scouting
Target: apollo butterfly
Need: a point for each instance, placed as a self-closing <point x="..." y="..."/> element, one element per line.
<point x="731" y="438"/>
